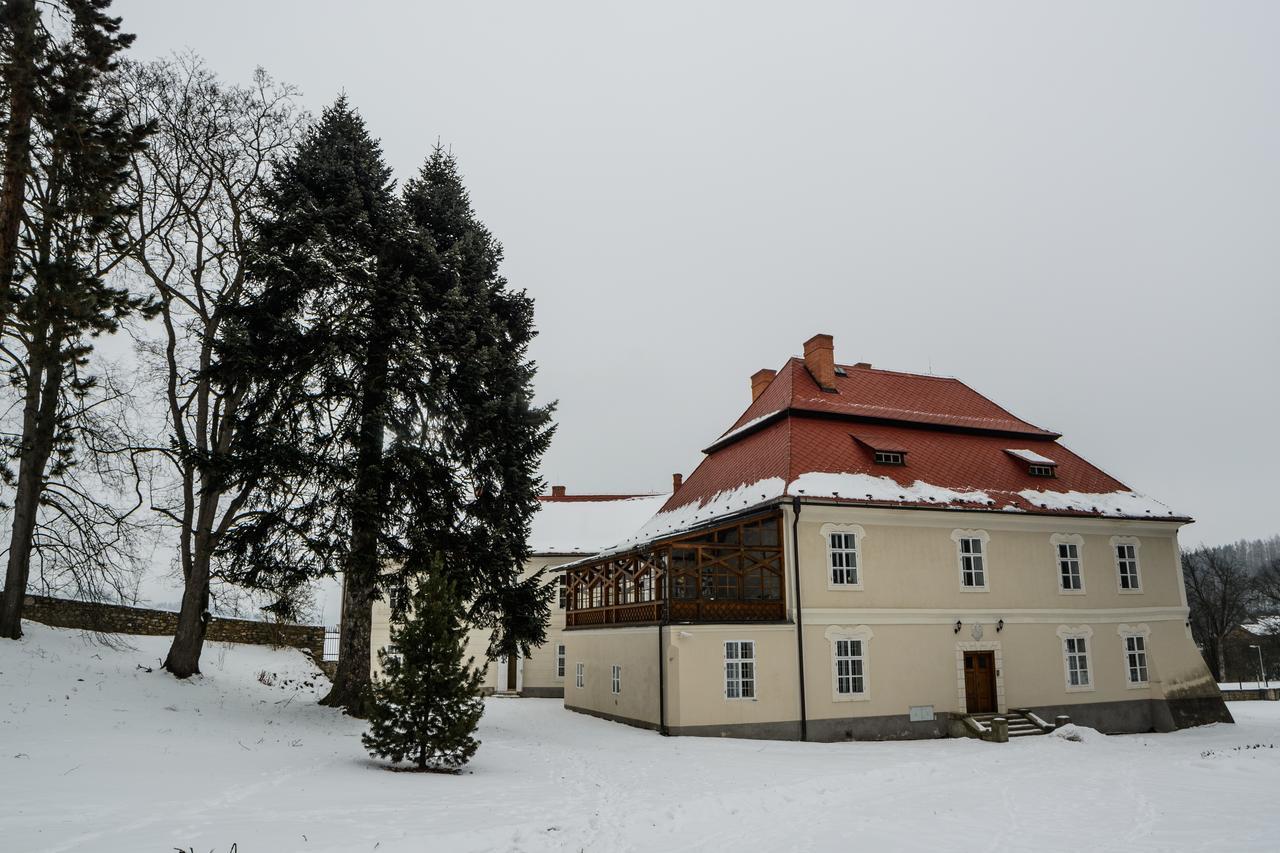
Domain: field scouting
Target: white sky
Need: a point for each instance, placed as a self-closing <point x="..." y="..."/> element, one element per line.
<point x="1072" y="207"/>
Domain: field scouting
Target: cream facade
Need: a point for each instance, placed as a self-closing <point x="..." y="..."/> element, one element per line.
<point x="907" y="623"/>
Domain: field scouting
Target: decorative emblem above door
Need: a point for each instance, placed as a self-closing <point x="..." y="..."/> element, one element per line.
<point x="976" y="631"/>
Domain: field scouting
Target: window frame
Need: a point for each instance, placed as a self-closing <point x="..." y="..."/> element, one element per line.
<point x="1118" y="542"/>
<point x="615" y="680"/>
<point x="889" y="457"/>
<point x="1143" y="634"/>
<point x="959" y="536"/>
<point x="859" y="567"/>
<point x="1082" y="634"/>
<point x="579" y="675"/>
<point x="740" y="679"/>
<point x="561" y="666"/>
<point x="1068" y="540"/>
<point x="562" y="590"/>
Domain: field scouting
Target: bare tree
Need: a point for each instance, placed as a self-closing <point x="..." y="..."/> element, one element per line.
<point x="199" y="184"/>
<point x="1219" y="594"/>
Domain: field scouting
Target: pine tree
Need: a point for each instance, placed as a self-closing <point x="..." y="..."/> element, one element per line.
<point x="427" y="705"/>
<point x="61" y="297"/>
<point x="396" y="359"/>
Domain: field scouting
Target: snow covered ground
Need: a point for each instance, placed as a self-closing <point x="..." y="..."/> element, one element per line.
<point x="97" y="753"/>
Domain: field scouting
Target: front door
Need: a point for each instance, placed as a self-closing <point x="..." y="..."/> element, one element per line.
<point x="511" y="672"/>
<point x="980" y="682"/>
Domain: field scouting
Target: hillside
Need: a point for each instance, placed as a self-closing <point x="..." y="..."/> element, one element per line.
<point x="101" y="754"/>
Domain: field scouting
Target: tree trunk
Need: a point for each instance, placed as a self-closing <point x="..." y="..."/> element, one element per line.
<point x="20" y="81"/>
<point x="1221" y="674"/>
<point x="183" y="659"/>
<point x="38" y="426"/>
<point x="354" y="672"/>
<point x="360" y="574"/>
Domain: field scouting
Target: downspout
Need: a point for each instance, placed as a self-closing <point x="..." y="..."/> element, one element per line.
<point x="662" y="656"/>
<point x="795" y="558"/>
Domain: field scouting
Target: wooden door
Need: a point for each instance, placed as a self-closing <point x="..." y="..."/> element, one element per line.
<point x="511" y="672"/>
<point x="980" y="682"/>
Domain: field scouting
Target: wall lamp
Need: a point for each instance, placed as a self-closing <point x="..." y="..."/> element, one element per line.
<point x="959" y="625"/>
<point x="999" y="626"/>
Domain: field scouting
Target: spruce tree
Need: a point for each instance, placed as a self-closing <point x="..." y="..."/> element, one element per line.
<point x="396" y="358"/>
<point x="427" y="704"/>
<point x="61" y="295"/>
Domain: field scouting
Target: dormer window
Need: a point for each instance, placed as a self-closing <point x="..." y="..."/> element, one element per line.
<point x="884" y="450"/>
<point x="1037" y="464"/>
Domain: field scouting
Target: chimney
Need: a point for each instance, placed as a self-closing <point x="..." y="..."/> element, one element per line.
<point x="557" y="491"/>
<point x="820" y="359"/>
<point x="676" y="481"/>
<point x="760" y="380"/>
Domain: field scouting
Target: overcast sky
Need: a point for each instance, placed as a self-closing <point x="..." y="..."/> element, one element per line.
<point x="1073" y="207"/>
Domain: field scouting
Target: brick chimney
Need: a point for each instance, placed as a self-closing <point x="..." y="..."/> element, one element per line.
<point x="557" y="491"/>
<point x="677" y="480"/>
<point x="760" y="380"/>
<point x="820" y="359"/>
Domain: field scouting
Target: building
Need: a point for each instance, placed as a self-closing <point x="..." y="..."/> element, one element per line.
<point x="873" y="554"/>
<point x="565" y="528"/>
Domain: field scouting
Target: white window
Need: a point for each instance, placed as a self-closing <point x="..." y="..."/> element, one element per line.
<point x="561" y="593"/>
<point x="1040" y="470"/>
<point x="1135" y="660"/>
<point x="580" y="674"/>
<point x="850" y="674"/>
<point x="1077" y="653"/>
<point x="740" y="669"/>
<point x="888" y="457"/>
<point x="560" y="660"/>
<point x="616" y="681"/>
<point x="392" y="651"/>
<point x="971" y="547"/>
<point x="1067" y="549"/>
<point x="842" y="553"/>
<point x="1128" y="574"/>
<point x="646" y="585"/>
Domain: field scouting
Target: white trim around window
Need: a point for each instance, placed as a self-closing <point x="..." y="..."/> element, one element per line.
<point x="1068" y="562"/>
<point x="1077" y="657"/>
<point x="615" y="680"/>
<point x="850" y="662"/>
<point x="1135" y="643"/>
<point x="973" y="559"/>
<point x="842" y="544"/>
<point x="580" y="675"/>
<point x="560" y="661"/>
<point x="1124" y="551"/>
<point x="740" y="669"/>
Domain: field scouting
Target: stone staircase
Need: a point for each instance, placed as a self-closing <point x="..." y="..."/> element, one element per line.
<point x="1022" y="723"/>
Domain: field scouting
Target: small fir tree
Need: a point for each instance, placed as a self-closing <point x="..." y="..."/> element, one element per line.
<point x="427" y="704"/>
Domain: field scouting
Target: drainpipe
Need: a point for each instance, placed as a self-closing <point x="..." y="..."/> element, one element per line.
<point x="662" y="656"/>
<point x="795" y="558"/>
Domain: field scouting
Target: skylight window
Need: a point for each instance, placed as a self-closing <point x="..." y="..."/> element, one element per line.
<point x="888" y="457"/>
<point x="1040" y="470"/>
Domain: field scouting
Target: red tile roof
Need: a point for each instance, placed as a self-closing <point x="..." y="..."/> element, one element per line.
<point x="803" y="441"/>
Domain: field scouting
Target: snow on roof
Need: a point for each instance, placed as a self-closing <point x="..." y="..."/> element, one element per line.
<point x="1030" y="456"/>
<point x="585" y="524"/>
<point x="1265" y="626"/>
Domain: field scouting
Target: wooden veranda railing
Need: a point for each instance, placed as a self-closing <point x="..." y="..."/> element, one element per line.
<point x="731" y="573"/>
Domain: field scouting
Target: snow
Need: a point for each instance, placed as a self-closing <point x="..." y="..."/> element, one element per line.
<point x="698" y="512"/>
<point x="1132" y="504"/>
<point x="868" y="487"/>
<point x="129" y="760"/>
<point x="585" y="527"/>
<point x="740" y="430"/>
<point x="1031" y="456"/>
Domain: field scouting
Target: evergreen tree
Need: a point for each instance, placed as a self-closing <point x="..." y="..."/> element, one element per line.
<point x="426" y="706"/>
<point x="70" y="240"/>
<point x="396" y="359"/>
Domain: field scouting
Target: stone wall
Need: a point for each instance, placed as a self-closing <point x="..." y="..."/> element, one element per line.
<point x="119" y="619"/>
